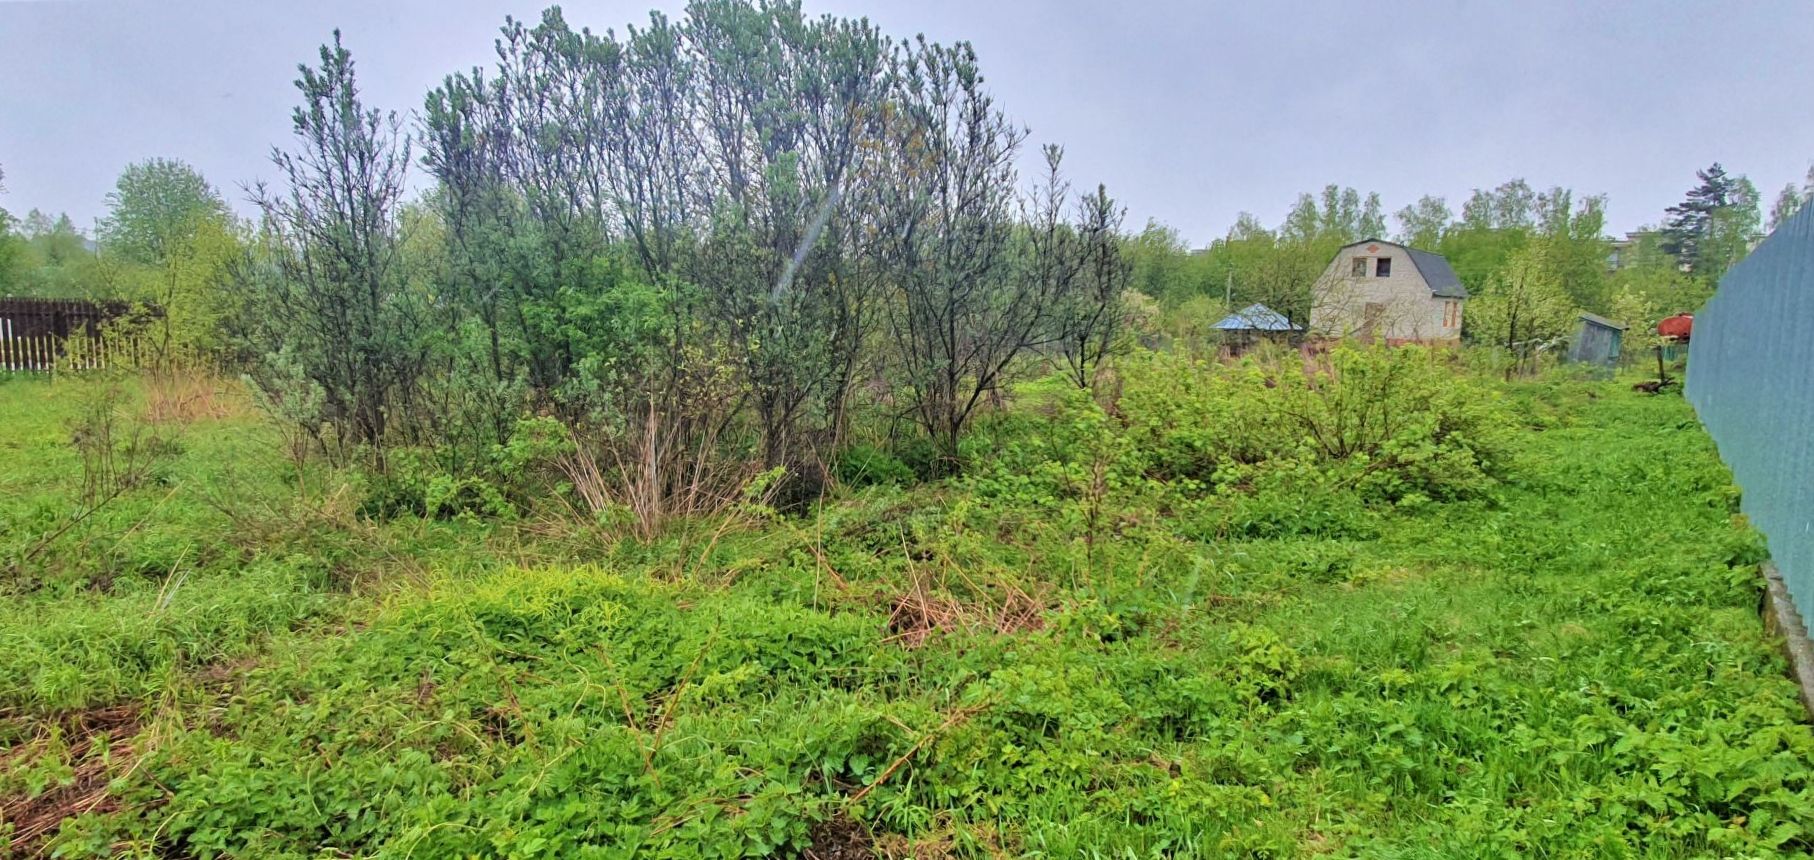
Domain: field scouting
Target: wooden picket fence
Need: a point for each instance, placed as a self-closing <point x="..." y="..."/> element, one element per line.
<point x="26" y="354"/>
<point x="48" y="353"/>
<point x="46" y="335"/>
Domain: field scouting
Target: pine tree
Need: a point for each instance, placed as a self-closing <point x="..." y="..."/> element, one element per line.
<point x="1691" y="220"/>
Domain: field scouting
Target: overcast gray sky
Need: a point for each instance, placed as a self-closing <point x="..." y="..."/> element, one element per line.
<point x="1191" y="112"/>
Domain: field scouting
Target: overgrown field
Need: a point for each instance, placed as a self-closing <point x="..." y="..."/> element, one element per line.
<point x="1412" y="613"/>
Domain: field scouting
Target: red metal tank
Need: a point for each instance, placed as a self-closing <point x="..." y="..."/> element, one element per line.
<point x="1678" y="326"/>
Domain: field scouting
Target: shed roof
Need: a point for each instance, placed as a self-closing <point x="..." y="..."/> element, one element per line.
<point x="1601" y="321"/>
<point x="1256" y="317"/>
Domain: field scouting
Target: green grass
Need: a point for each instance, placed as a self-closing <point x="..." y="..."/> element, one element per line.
<point x="1568" y="665"/>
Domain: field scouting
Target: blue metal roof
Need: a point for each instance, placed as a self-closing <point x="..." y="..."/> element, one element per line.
<point x="1256" y="318"/>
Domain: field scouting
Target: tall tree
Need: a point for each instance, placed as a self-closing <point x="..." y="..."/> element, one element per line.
<point x="1732" y="230"/>
<point x="789" y="103"/>
<point x="1421" y="224"/>
<point x="1523" y="308"/>
<point x="962" y="312"/>
<point x="1514" y="205"/>
<point x="1338" y="216"/>
<point x="336" y="320"/>
<point x="155" y="205"/>
<point x="1162" y="265"/>
<point x="1372" y="222"/>
<point x="1714" y="225"/>
<point x="1303" y="223"/>
<point x="1477" y="212"/>
<point x="12" y="249"/>
<point x="1791" y="200"/>
<point x="171" y="240"/>
<point x="1788" y="202"/>
<point x="1092" y="310"/>
<point x="1575" y="246"/>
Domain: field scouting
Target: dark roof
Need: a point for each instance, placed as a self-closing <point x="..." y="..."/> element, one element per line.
<point x="1256" y="318"/>
<point x="1438" y="274"/>
<point x="1601" y="321"/>
<point x="1434" y="267"/>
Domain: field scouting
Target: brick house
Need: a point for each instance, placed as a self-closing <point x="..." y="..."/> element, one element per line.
<point x="1376" y="290"/>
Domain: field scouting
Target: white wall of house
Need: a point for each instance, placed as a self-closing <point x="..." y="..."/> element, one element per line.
<point x="1396" y="306"/>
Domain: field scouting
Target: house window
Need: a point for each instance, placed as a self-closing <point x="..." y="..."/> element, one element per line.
<point x="1451" y="313"/>
<point x="1360" y="267"/>
<point x="1383" y="268"/>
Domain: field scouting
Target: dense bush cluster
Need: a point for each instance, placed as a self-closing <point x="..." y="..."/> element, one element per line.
<point x="700" y="247"/>
<point x="1235" y="450"/>
<point x="1390" y="422"/>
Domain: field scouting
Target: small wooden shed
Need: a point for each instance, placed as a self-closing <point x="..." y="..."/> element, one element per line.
<point x="1597" y="341"/>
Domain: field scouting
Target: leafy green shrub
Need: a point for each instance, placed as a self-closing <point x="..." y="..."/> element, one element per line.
<point x="866" y="465"/>
<point x="414" y="486"/>
<point x="1196" y="420"/>
<point x="1392" y="421"/>
<point x="1274" y="506"/>
<point x="1207" y="655"/>
<point x="1408" y="422"/>
<point x="919" y="455"/>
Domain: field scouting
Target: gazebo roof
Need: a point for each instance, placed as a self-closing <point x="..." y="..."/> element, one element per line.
<point x="1256" y="317"/>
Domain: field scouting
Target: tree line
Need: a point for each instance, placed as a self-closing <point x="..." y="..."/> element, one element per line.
<point x="1532" y="259"/>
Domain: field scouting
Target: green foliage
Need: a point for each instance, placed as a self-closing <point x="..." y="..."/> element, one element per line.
<point x="1523" y="310"/>
<point x="1111" y="635"/>
<point x="1715" y="225"/>
<point x="185" y="300"/>
<point x="414" y="484"/>
<point x="1422" y="224"/>
<point x="1388" y="423"/>
<point x="513" y="477"/>
<point x="148" y="634"/>
<point x="1368" y="603"/>
<point x="50" y="258"/>
<point x="155" y="209"/>
<point x="12" y="255"/>
<point x="331" y="307"/>
<point x="868" y="465"/>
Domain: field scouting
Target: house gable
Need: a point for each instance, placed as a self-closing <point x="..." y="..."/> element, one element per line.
<point x="1375" y="289"/>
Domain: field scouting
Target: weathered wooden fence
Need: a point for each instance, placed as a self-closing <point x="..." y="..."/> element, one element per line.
<point x="1751" y="379"/>
<point x="42" y="335"/>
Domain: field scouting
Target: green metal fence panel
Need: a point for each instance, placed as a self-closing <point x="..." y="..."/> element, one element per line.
<point x="1751" y="379"/>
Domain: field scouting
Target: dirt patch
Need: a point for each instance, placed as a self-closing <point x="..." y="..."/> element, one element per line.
<point x="840" y="838"/>
<point x="101" y="742"/>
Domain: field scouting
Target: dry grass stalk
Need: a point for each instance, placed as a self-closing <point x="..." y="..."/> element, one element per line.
<point x="926" y="608"/>
<point x="186" y="396"/>
<point x="664" y="468"/>
<point x="104" y="741"/>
